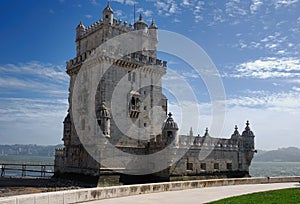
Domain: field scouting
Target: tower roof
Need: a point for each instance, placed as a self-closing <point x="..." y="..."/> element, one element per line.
<point x="236" y="133"/>
<point x="153" y="26"/>
<point x="140" y="23"/>
<point x="170" y="123"/>
<point x="247" y="131"/>
<point x="80" y="25"/>
<point x="206" y="134"/>
<point x="108" y="8"/>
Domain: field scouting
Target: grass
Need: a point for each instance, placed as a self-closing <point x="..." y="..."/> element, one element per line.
<point x="286" y="196"/>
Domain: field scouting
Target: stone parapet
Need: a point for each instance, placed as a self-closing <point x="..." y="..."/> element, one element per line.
<point x="91" y="194"/>
<point x="133" y="58"/>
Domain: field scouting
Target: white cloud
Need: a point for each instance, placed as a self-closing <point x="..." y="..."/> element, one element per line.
<point x="233" y="9"/>
<point x="126" y="2"/>
<point x="269" y="67"/>
<point x="295" y="88"/>
<point x="88" y="16"/>
<point x="176" y="20"/>
<point x="118" y="13"/>
<point x="46" y="71"/>
<point x="197" y="11"/>
<point x="256" y="4"/>
<point x="31" y="121"/>
<point x="173" y="8"/>
<point x="166" y="7"/>
<point x="271" y="116"/>
<point x="284" y="3"/>
<point x="266" y="100"/>
<point x="33" y="103"/>
<point x="94" y="2"/>
<point x="33" y="77"/>
<point x="147" y="13"/>
<point x="186" y="3"/>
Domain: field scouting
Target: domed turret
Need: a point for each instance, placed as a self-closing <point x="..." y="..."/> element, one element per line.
<point x="169" y="131"/>
<point x="140" y="24"/>
<point x="247" y="131"/>
<point x="206" y="134"/>
<point x="236" y="133"/>
<point x="108" y="15"/>
<point x="248" y="137"/>
<point x="170" y="124"/>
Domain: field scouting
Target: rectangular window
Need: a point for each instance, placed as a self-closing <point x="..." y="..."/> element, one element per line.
<point x="216" y="165"/>
<point x="203" y="166"/>
<point x="229" y="166"/>
<point x="189" y="166"/>
<point x="133" y="77"/>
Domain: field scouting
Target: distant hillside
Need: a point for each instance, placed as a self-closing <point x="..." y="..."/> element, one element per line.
<point x="30" y="150"/>
<point x="290" y="154"/>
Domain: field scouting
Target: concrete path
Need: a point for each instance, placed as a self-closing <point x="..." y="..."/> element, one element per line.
<point x="199" y="195"/>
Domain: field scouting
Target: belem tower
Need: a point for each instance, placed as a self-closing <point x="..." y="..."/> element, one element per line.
<point x="122" y="152"/>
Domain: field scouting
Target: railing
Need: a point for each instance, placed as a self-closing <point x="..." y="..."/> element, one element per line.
<point x="43" y="169"/>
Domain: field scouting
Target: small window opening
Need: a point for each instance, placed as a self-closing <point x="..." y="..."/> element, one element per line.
<point x="203" y="166"/>
<point x="216" y="165"/>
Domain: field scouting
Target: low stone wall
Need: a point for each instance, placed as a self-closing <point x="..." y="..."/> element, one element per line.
<point x="91" y="194"/>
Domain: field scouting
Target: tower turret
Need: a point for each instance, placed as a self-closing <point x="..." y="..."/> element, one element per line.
<point x="140" y="24"/>
<point x="108" y="15"/>
<point x="236" y="133"/>
<point x="169" y="131"/>
<point x="153" y="26"/>
<point x="153" y="34"/>
<point x="248" y="137"/>
<point x="206" y="134"/>
<point x="79" y="30"/>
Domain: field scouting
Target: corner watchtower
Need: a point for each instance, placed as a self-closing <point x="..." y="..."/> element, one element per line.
<point x="170" y="130"/>
<point x="248" y="137"/>
<point x="108" y="15"/>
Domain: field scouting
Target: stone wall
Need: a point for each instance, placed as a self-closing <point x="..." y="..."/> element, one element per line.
<point x="84" y="195"/>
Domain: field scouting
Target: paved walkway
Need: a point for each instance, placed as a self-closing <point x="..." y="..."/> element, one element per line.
<point x="199" y="195"/>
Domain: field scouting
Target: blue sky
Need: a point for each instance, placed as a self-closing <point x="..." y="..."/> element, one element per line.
<point x="254" y="44"/>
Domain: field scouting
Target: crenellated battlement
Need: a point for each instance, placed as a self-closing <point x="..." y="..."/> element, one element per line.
<point x="88" y="38"/>
<point x="133" y="58"/>
<point x="235" y="143"/>
<point x="116" y="26"/>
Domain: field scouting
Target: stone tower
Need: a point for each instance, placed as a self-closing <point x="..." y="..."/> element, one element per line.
<point x="141" y="104"/>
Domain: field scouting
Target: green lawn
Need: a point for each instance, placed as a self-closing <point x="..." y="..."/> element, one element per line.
<point x="291" y="195"/>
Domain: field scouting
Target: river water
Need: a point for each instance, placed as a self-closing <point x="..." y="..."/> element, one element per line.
<point x="257" y="169"/>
